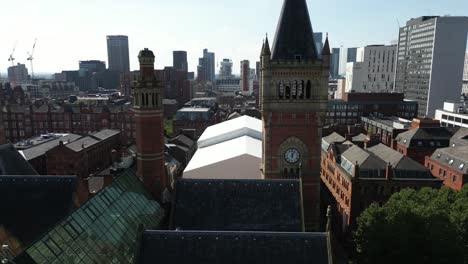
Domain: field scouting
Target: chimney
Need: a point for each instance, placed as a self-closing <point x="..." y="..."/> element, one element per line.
<point x="349" y="137"/>
<point x="356" y="170"/>
<point x="389" y="172"/>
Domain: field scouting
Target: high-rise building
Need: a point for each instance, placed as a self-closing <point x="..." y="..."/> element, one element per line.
<point x="206" y="67"/>
<point x="225" y="71"/>
<point x="430" y="61"/>
<point x="293" y="99"/>
<point x="117" y="53"/>
<point x="149" y="121"/>
<point x="335" y="63"/>
<point x="346" y="55"/>
<point x="180" y="60"/>
<point x="91" y="66"/>
<point x="374" y="70"/>
<point x="465" y="76"/>
<point x="18" y="74"/>
<point x="318" y="38"/>
<point x="245" y="75"/>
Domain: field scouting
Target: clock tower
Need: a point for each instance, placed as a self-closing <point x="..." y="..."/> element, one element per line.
<point x="149" y="121"/>
<point x="293" y="98"/>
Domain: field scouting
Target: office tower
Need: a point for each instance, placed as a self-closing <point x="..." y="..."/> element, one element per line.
<point x="245" y="75"/>
<point x="179" y="59"/>
<point x="293" y="97"/>
<point x="92" y="66"/>
<point x="149" y="121"/>
<point x="374" y="70"/>
<point x="430" y="61"/>
<point x="335" y="63"/>
<point x="318" y="38"/>
<point x="117" y="53"/>
<point x="206" y="67"/>
<point x="18" y="74"/>
<point x="225" y="72"/>
<point x="465" y="76"/>
<point x="346" y="55"/>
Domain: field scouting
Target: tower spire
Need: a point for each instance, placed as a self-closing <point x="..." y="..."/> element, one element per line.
<point x="266" y="49"/>
<point x="326" y="47"/>
<point x="294" y="34"/>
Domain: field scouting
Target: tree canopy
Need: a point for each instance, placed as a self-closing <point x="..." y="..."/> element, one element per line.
<point x="425" y="226"/>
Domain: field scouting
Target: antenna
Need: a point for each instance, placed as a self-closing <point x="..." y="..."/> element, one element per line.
<point x="11" y="58"/>
<point x="30" y="58"/>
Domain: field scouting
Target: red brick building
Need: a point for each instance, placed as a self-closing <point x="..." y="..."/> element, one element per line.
<point x="293" y="99"/>
<point x="422" y="139"/>
<point x="149" y="120"/>
<point x="83" y="157"/>
<point x="353" y="178"/>
<point x="450" y="165"/>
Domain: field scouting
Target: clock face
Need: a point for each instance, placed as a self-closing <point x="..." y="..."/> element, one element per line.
<point x="292" y="155"/>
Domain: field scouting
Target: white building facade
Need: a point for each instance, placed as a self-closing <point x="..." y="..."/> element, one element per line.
<point x="465" y="76"/>
<point x="430" y="61"/>
<point x="453" y="115"/>
<point x="374" y="70"/>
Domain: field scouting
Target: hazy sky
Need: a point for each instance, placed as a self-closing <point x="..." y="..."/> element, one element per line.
<point x="73" y="30"/>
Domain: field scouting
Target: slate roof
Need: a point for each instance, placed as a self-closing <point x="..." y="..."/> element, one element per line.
<point x="238" y="205"/>
<point x="13" y="163"/>
<point x="294" y="35"/>
<point x="426" y="137"/>
<point x="454" y="157"/>
<point x="40" y="149"/>
<point x="460" y="138"/>
<point x="360" y="138"/>
<point x="183" y="140"/>
<point x="233" y="247"/>
<point x="105" y="134"/>
<point x="82" y="143"/>
<point x="330" y="139"/>
<point x="32" y="204"/>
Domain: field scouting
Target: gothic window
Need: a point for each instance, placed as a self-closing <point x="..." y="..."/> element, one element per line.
<point x="288" y="92"/>
<point x="308" y="89"/>
<point x="142" y="100"/>
<point x="294" y="90"/>
<point x="300" y="92"/>
<point x="153" y="101"/>
<point x="147" y="101"/>
<point x="285" y="172"/>
<point x="281" y="90"/>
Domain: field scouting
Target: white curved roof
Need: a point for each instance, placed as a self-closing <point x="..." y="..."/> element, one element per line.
<point x="225" y="131"/>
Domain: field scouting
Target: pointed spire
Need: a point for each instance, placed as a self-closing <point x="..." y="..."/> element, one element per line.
<point x="263" y="47"/>
<point x="266" y="50"/>
<point x="294" y="35"/>
<point x="326" y="47"/>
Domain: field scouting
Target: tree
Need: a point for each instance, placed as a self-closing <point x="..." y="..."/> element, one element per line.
<point x="425" y="226"/>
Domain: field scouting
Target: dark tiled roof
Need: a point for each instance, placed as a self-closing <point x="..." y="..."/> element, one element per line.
<point x="41" y="149"/>
<point x="105" y="134"/>
<point x="183" y="140"/>
<point x="454" y="157"/>
<point x="238" y="205"/>
<point x="233" y="247"/>
<point x="334" y="137"/>
<point x="82" y="143"/>
<point x="360" y="138"/>
<point x="294" y="35"/>
<point x="32" y="204"/>
<point x="426" y="137"/>
<point x="13" y="163"/>
<point x="460" y="138"/>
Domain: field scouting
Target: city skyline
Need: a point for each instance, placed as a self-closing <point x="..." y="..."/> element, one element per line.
<point x="81" y="29"/>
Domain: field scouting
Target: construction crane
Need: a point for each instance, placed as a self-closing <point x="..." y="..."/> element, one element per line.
<point x="11" y="58"/>
<point x="30" y="58"/>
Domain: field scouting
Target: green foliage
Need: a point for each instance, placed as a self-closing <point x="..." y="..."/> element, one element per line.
<point x="168" y="126"/>
<point x="426" y="226"/>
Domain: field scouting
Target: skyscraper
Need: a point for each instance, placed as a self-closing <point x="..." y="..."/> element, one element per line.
<point x="318" y="38"/>
<point x="18" y="74"/>
<point x="293" y="97"/>
<point x="206" y="66"/>
<point x="430" y="61"/>
<point x="335" y="63"/>
<point x="180" y="60"/>
<point x="465" y="76"/>
<point x="346" y="55"/>
<point x="245" y="75"/>
<point x="225" y="72"/>
<point x="117" y="53"/>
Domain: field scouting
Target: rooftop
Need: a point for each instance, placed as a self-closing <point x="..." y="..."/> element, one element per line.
<point x="238" y="205"/>
<point x="13" y="163"/>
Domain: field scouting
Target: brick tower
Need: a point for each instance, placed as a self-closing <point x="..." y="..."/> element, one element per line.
<point x="149" y="120"/>
<point x="293" y="98"/>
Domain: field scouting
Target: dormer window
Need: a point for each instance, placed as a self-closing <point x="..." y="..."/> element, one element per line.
<point x="298" y="58"/>
<point x="461" y="166"/>
<point x="450" y="162"/>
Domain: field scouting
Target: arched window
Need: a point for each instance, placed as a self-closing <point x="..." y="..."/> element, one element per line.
<point x="147" y="101"/>
<point x="281" y="90"/>
<point x="285" y="171"/>
<point x="153" y="101"/>
<point x="288" y="91"/>
<point x="142" y="100"/>
<point x="291" y="171"/>
<point x="308" y="89"/>
<point x="301" y="90"/>
<point x="294" y="90"/>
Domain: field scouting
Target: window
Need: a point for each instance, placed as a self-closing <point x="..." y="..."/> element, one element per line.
<point x="450" y="162"/>
<point x="461" y="166"/>
<point x="454" y="178"/>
